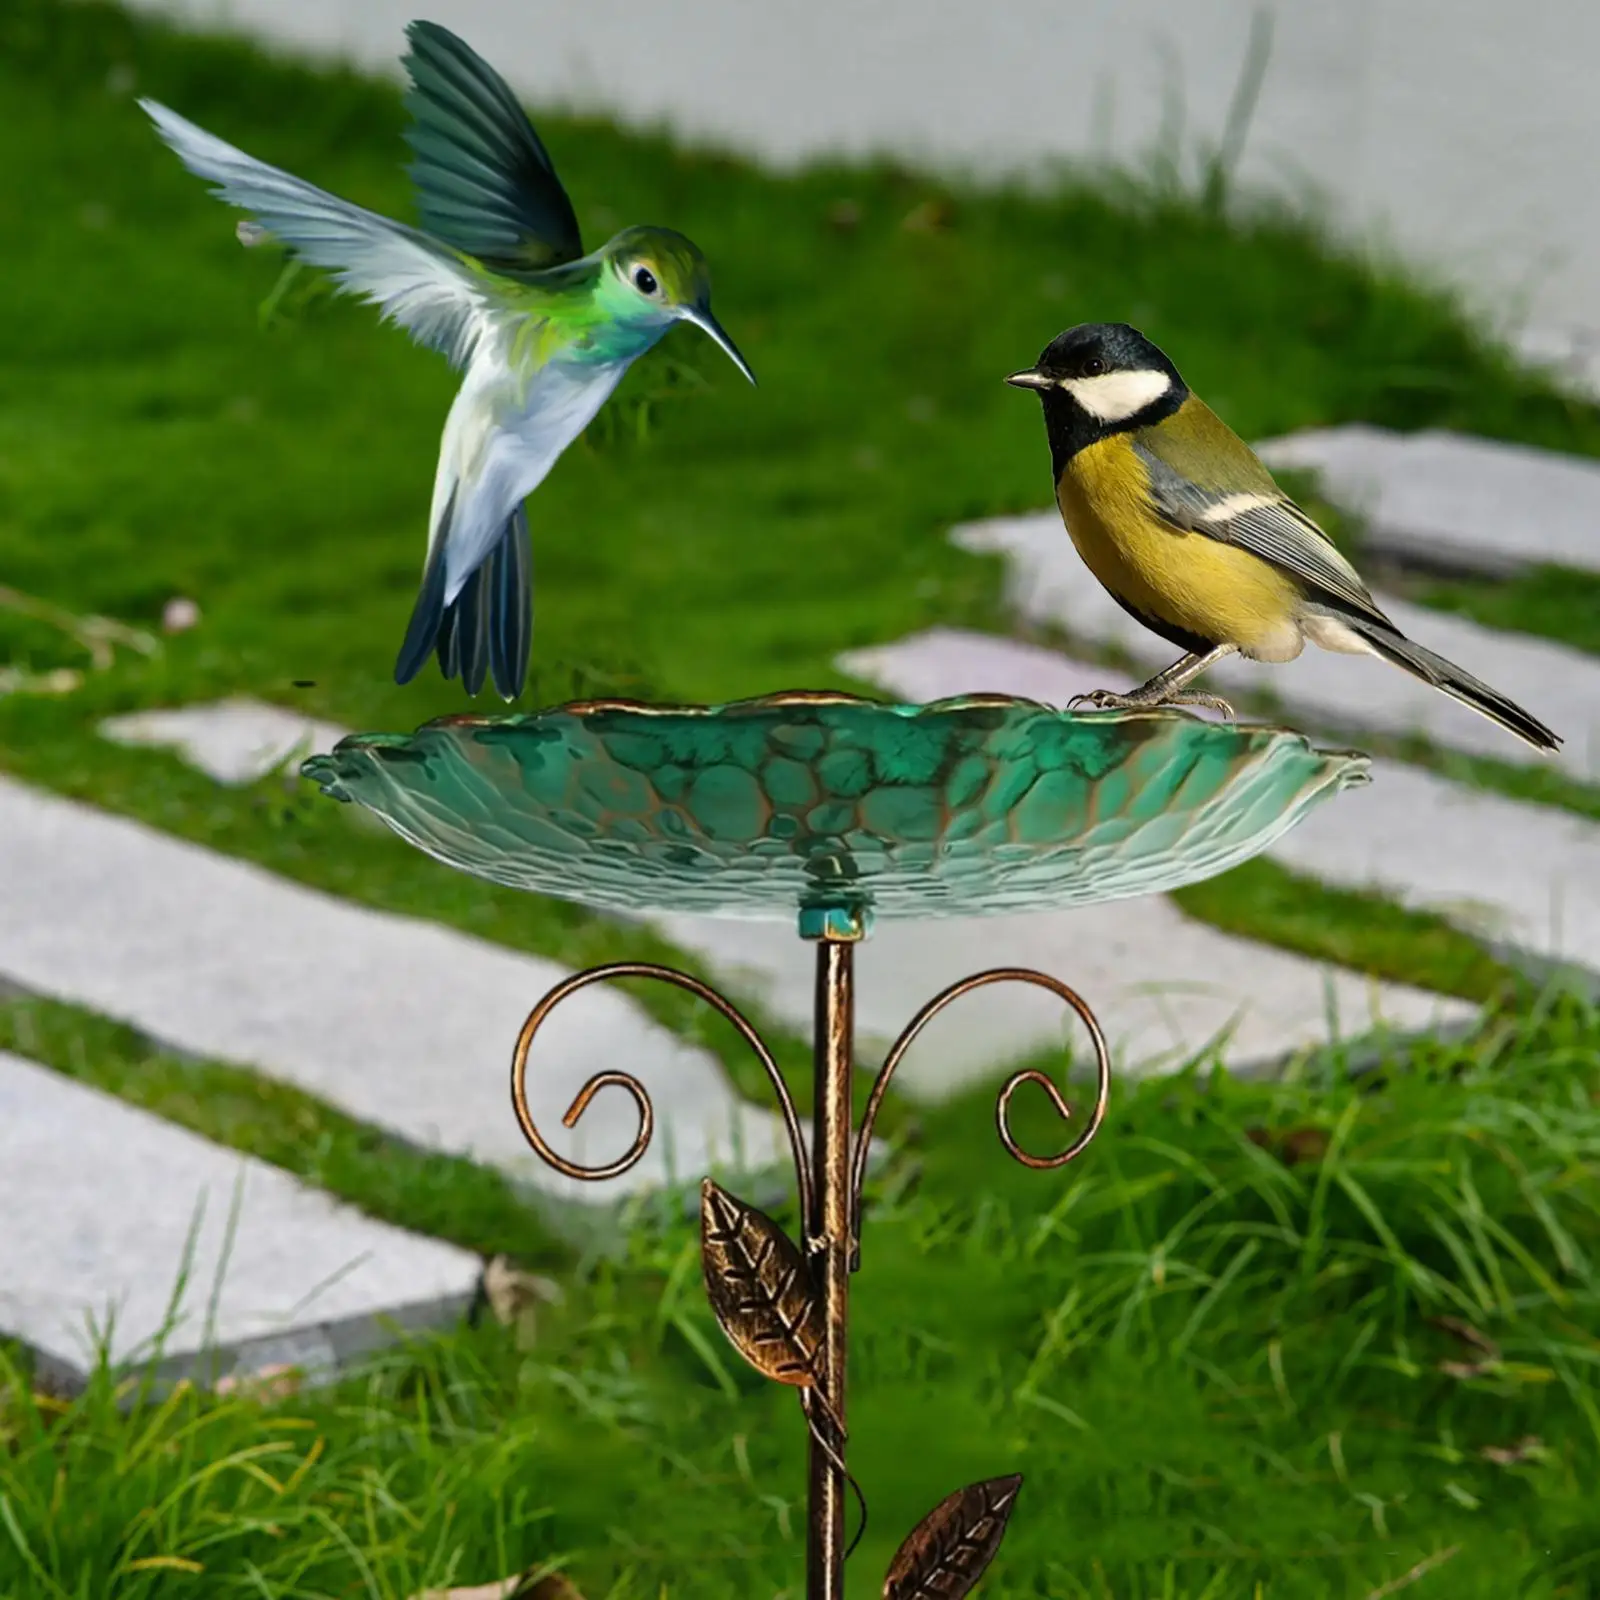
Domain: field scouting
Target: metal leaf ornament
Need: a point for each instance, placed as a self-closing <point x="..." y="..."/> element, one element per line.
<point x="947" y="1552"/>
<point x="760" y="1288"/>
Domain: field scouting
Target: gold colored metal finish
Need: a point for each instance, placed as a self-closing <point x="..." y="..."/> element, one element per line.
<point x="787" y="697"/>
<point x="946" y="1553"/>
<point x="785" y="1307"/>
<point x="760" y="1288"/>
<point x="981" y="980"/>
<point x="832" y="1232"/>
<point x="626" y="1080"/>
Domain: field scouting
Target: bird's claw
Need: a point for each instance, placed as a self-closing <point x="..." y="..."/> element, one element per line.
<point x="1100" y="700"/>
<point x="1197" y="697"/>
<point x="1105" y="700"/>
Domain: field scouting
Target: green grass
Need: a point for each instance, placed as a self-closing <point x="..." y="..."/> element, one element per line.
<point x="1361" y="931"/>
<point x="1263" y="1339"/>
<point x="1551" y="602"/>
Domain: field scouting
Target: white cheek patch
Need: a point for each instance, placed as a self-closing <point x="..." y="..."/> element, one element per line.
<point x="1116" y="396"/>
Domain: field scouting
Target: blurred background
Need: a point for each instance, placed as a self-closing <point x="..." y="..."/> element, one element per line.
<point x="1457" y="133"/>
<point x="1315" y="1316"/>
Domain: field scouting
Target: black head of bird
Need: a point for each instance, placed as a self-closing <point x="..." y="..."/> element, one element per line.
<point x="1101" y="378"/>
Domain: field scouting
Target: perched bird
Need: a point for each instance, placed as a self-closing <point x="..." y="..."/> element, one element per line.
<point x="1188" y="532"/>
<point x="496" y="279"/>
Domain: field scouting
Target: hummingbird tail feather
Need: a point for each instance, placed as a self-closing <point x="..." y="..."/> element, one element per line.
<point x="1422" y="663"/>
<point x="486" y="629"/>
<point x="508" y="579"/>
<point x="426" y="616"/>
<point x="463" y="637"/>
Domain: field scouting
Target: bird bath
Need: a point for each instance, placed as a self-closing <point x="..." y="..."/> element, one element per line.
<point x="833" y="811"/>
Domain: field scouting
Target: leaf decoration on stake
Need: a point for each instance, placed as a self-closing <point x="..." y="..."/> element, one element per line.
<point x="760" y="1288"/>
<point x="947" y="1552"/>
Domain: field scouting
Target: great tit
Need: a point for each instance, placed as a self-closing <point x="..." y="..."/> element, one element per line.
<point x="1185" y="528"/>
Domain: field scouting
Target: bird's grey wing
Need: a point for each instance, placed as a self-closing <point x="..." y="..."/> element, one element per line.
<point x="1265" y="522"/>
<point x="485" y="182"/>
<point x="417" y="282"/>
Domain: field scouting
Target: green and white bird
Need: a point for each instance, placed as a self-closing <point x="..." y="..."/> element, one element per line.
<point x="497" y="280"/>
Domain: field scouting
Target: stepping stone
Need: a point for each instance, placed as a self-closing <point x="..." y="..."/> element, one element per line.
<point x="1048" y="584"/>
<point x="1569" y="353"/>
<point x="405" y="1024"/>
<point x="1448" y="500"/>
<point x="234" y="741"/>
<point x="1163" y="985"/>
<point x="104" y="1205"/>
<point x="1514" y="874"/>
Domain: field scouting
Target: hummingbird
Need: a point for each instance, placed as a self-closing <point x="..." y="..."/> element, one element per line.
<point x="496" y="279"/>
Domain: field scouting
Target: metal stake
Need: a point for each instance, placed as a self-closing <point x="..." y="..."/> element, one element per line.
<point x="786" y="1308"/>
<point x="832" y="1230"/>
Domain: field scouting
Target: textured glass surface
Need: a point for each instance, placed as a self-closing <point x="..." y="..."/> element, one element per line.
<point x="759" y="808"/>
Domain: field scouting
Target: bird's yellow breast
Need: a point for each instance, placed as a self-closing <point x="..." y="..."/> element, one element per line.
<point x="1202" y="588"/>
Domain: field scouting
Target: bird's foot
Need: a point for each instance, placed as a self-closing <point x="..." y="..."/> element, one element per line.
<point x="1105" y="700"/>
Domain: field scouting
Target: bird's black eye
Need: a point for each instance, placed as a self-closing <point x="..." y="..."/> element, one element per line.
<point x="644" y="280"/>
<point x="1093" y="367"/>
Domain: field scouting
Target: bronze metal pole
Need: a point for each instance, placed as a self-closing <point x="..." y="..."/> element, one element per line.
<point x="831" y="1228"/>
<point x="785" y="1306"/>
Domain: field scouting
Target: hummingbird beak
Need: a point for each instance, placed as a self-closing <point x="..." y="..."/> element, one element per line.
<point x="701" y="317"/>
<point x="1030" y="379"/>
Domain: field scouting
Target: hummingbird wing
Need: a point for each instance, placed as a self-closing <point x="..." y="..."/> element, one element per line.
<point x="485" y="182"/>
<point x="1251" y="512"/>
<point x="418" y="282"/>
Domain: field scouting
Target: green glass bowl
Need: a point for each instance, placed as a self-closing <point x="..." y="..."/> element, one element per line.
<point x="823" y="803"/>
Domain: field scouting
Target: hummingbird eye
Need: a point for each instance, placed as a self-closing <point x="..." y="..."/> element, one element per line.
<point x="644" y="280"/>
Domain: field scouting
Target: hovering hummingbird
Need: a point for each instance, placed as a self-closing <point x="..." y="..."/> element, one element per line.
<point x="496" y="279"/>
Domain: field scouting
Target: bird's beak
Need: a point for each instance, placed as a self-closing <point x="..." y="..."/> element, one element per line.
<point x="701" y="317"/>
<point x="1030" y="379"/>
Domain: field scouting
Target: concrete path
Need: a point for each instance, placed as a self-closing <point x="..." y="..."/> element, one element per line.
<point x="103" y="1204"/>
<point x="1163" y="986"/>
<point x="1047" y="583"/>
<point x="234" y="741"/>
<point x="403" y="1023"/>
<point x="1523" y="875"/>
<point x="1449" y="500"/>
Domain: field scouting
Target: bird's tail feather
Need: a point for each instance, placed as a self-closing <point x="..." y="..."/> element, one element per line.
<point x="508" y="578"/>
<point x="428" y="613"/>
<point x="487" y="628"/>
<point x="1433" y="669"/>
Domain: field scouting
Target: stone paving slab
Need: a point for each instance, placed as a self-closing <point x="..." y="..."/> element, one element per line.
<point x="1450" y="500"/>
<point x="234" y="741"/>
<point x="1047" y="583"/>
<point x="1516" y="874"/>
<point x="403" y="1023"/>
<point x="103" y="1205"/>
<point x="1163" y="985"/>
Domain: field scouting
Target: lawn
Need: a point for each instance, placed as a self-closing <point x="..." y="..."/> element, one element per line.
<point x="1210" y="1352"/>
<point x="1277" y="1340"/>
